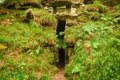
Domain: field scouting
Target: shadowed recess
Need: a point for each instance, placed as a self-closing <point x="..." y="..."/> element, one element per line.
<point x="60" y="28"/>
<point x="61" y="57"/>
<point x="61" y="51"/>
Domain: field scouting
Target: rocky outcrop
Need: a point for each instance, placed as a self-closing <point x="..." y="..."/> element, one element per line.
<point x="5" y="22"/>
<point x="3" y="11"/>
<point x="88" y="1"/>
<point x="22" y="4"/>
<point x="63" y="8"/>
<point x="29" y="16"/>
<point x="55" y="3"/>
<point x="110" y="2"/>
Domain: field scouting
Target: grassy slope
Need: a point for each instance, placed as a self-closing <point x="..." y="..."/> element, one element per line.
<point x="97" y="50"/>
<point x="25" y="56"/>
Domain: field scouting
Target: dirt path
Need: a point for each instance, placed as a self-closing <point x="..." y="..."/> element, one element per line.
<point x="60" y="74"/>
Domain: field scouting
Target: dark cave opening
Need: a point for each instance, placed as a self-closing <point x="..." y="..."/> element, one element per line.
<point x="60" y="28"/>
<point x="61" y="57"/>
<point x="61" y="52"/>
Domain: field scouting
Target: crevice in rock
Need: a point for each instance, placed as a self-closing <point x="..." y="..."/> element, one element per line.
<point x="61" y="57"/>
<point x="60" y="28"/>
<point x="61" y="52"/>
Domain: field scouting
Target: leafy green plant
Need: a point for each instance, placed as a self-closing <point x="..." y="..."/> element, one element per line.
<point x="117" y="7"/>
<point x="97" y="6"/>
<point x="38" y="50"/>
<point x="95" y="54"/>
<point x="44" y="77"/>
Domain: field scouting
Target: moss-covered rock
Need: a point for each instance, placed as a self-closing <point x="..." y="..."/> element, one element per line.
<point x="21" y="4"/>
<point x="110" y="2"/>
<point x="96" y="7"/>
<point x="88" y="1"/>
<point x="29" y="15"/>
<point x="5" y="22"/>
<point x="3" y="11"/>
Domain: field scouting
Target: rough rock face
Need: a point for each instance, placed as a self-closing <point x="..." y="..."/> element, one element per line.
<point x="63" y="9"/>
<point x="22" y="4"/>
<point x="55" y="2"/>
<point x="29" y="15"/>
<point x="111" y="2"/>
<point x="3" y="11"/>
<point x="5" y="22"/>
<point x="88" y="1"/>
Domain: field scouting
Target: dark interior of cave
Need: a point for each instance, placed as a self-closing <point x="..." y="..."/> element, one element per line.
<point x="61" y="51"/>
<point x="61" y="57"/>
<point x="60" y="28"/>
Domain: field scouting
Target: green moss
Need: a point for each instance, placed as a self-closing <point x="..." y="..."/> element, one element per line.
<point x="30" y="46"/>
<point x="16" y="65"/>
<point x="19" y="4"/>
<point x="97" y="6"/>
<point x="25" y="45"/>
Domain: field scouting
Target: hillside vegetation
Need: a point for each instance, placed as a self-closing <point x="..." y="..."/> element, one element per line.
<point x="28" y="45"/>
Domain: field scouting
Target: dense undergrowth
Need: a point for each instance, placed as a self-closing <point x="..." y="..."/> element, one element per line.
<point x="97" y="50"/>
<point x="27" y="49"/>
<point x="24" y="47"/>
<point x="97" y="53"/>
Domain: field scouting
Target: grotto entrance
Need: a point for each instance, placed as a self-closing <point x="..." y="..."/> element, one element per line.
<point x="60" y="28"/>
<point x="61" y="51"/>
<point x="61" y="57"/>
